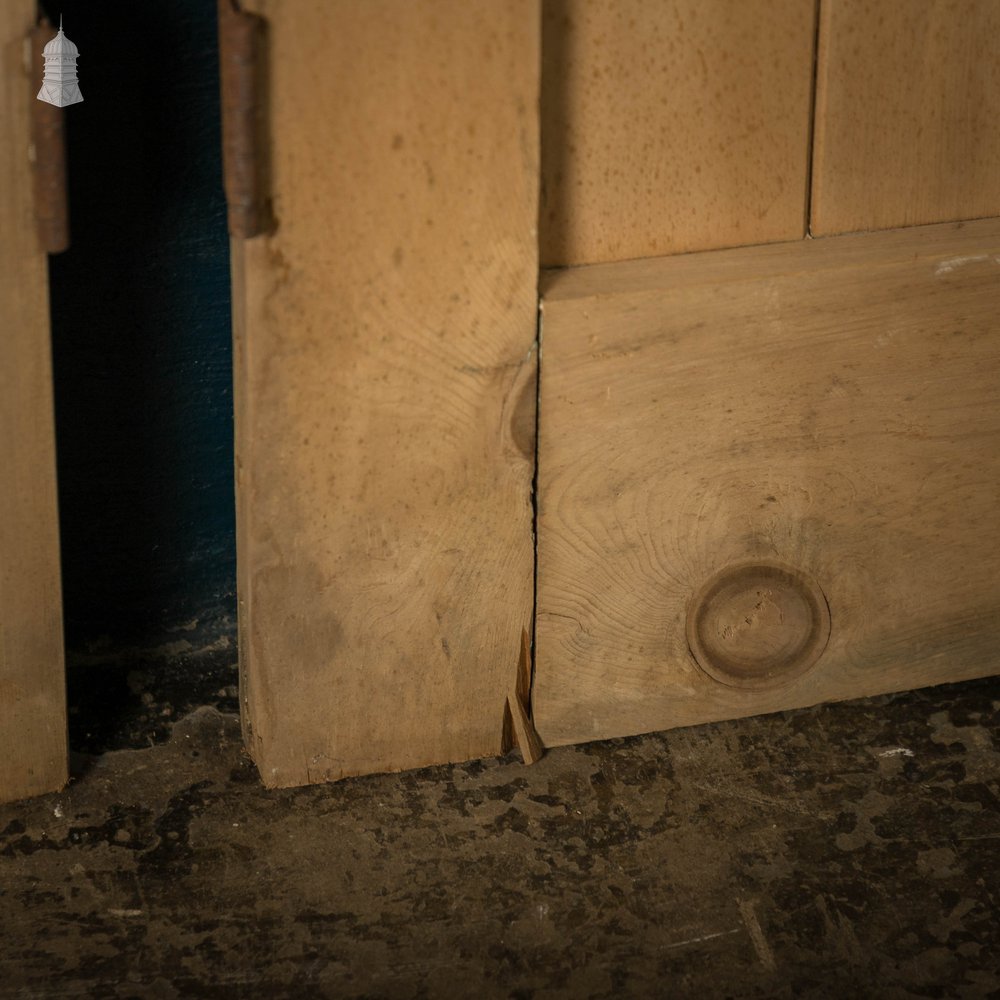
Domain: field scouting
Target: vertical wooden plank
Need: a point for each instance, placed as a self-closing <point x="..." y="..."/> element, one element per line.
<point x="33" y="753"/>
<point x="673" y="126"/>
<point x="907" y="104"/>
<point x="385" y="385"/>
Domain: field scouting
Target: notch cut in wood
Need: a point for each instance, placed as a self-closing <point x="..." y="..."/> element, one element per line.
<point x="519" y="730"/>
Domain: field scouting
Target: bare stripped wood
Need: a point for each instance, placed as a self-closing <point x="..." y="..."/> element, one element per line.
<point x="33" y="755"/>
<point x="907" y="104"/>
<point x="768" y="478"/>
<point x="519" y="730"/>
<point x="673" y="126"/>
<point x="385" y="379"/>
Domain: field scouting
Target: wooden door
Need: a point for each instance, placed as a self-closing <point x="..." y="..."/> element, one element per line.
<point x="33" y="755"/>
<point x="716" y="427"/>
<point x="769" y="477"/>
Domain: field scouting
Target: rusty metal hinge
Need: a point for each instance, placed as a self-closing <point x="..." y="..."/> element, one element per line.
<point x="242" y="67"/>
<point x="48" y="154"/>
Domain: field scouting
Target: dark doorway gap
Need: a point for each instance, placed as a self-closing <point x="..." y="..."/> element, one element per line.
<point x="143" y="374"/>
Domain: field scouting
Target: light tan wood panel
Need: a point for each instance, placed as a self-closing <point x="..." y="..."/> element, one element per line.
<point x="385" y="377"/>
<point x="768" y="477"/>
<point x="673" y="126"/>
<point x="907" y="104"/>
<point x="32" y="685"/>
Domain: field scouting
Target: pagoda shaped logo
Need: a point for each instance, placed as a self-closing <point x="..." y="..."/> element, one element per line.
<point x="59" y="86"/>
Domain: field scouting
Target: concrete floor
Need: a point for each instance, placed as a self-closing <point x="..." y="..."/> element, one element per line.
<point x="851" y="850"/>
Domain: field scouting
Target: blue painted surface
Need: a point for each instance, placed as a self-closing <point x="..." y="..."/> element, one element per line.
<point x="141" y="331"/>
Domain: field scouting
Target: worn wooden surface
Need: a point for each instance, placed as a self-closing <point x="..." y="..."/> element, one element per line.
<point x="32" y="687"/>
<point x="813" y="427"/>
<point x="385" y="382"/>
<point x="674" y="126"/>
<point x="907" y="104"/>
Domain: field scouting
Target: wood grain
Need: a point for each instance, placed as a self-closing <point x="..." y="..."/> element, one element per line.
<point x="385" y="381"/>
<point x="907" y="104"/>
<point x="673" y="126"/>
<point x="33" y="755"/>
<point x="723" y="436"/>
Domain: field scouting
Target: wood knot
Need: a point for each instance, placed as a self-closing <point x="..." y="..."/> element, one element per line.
<point x="758" y="624"/>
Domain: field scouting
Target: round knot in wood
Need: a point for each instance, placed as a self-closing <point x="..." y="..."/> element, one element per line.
<point x="758" y="624"/>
